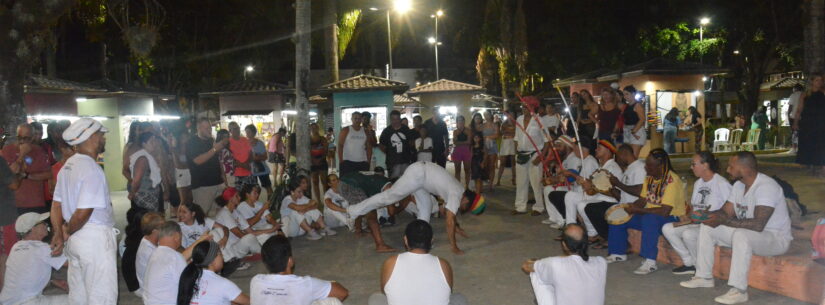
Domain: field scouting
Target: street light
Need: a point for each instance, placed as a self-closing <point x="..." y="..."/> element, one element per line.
<point x="702" y="23"/>
<point x="434" y="40"/>
<point x="402" y="7"/>
<point x="247" y="70"/>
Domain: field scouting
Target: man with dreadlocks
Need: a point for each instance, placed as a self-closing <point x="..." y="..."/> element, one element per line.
<point x="661" y="201"/>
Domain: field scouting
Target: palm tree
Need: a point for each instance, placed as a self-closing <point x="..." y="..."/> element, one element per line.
<point x="503" y="52"/>
<point x="303" y="49"/>
<point x="331" y="39"/>
<point x="814" y="36"/>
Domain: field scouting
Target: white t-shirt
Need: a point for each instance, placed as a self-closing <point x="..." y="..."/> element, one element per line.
<point x="634" y="174"/>
<point x="285" y="210"/>
<point x="535" y="133"/>
<point x="28" y="270"/>
<point x="287" y="289"/>
<point x="225" y="218"/>
<point x="710" y="195"/>
<point x="336" y="198"/>
<point x="572" y="280"/>
<point x="191" y="233"/>
<point x="214" y="289"/>
<point x="81" y="184"/>
<point x="244" y="212"/>
<point x="793" y="101"/>
<point x="428" y="144"/>
<point x="144" y="253"/>
<point x="163" y="276"/>
<point x="587" y="169"/>
<point x="764" y="191"/>
<point x="550" y="122"/>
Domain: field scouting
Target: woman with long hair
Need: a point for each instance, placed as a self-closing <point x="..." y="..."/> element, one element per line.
<point x="694" y="122"/>
<point x="225" y="157"/>
<point x="608" y="115"/>
<point x="146" y="175"/>
<point x="277" y="150"/>
<point x="490" y="133"/>
<point x="811" y="126"/>
<point x="587" y="115"/>
<point x="135" y="130"/>
<point x="671" y="124"/>
<point x="194" y="224"/>
<point x="254" y="216"/>
<point x="635" y="133"/>
<point x="461" y="150"/>
<point x="301" y="215"/>
<point x="319" y="167"/>
<point x="200" y="283"/>
<point x="335" y="205"/>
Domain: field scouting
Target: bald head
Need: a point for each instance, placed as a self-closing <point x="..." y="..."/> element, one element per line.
<point x="574" y="241"/>
<point x="574" y="231"/>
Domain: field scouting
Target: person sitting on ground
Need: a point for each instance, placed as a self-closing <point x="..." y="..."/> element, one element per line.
<point x="160" y="283"/>
<point x="253" y="214"/>
<point x="416" y="276"/>
<point x="194" y="224"/>
<point x="335" y="206"/>
<point x="301" y="215"/>
<point x="661" y="200"/>
<point x="282" y="286"/>
<point x="28" y="268"/>
<point x="754" y="220"/>
<point x="200" y="284"/>
<point x="572" y="279"/>
<point x="150" y="225"/>
<point x="710" y="192"/>
<point x="242" y="242"/>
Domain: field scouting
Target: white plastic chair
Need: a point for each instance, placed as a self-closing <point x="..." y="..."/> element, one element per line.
<point x="720" y="138"/>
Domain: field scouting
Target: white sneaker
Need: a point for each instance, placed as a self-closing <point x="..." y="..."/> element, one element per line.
<point x="243" y="266"/>
<point x="734" y="296"/>
<point x="697" y="282"/>
<point x="553" y="224"/>
<point x="612" y="258"/>
<point x="312" y="235"/>
<point x="329" y="232"/>
<point x="350" y="223"/>
<point x="647" y="267"/>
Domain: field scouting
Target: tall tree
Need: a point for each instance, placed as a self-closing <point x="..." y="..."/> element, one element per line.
<point x="303" y="29"/>
<point x="504" y="38"/>
<point x="814" y="36"/>
<point x="25" y="25"/>
<point x="331" y="39"/>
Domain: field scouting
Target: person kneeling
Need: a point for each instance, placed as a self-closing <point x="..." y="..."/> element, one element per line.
<point x="29" y="265"/>
<point x="281" y="286"/>
<point x="301" y="215"/>
<point x="200" y="283"/>
<point x="417" y="277"/>
<point x="572" y="279"/>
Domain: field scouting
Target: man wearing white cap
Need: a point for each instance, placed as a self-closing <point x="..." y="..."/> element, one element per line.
<point x="82" y="214"/>
<point x="30" y="263"/>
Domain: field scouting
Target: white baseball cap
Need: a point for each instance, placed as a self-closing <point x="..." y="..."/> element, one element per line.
<point x="81" y="130"/>
<point x="27" y="221"/>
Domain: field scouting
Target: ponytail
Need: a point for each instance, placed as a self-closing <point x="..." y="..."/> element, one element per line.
<point x="579" y="247"/>
<point x="202" y="255"/>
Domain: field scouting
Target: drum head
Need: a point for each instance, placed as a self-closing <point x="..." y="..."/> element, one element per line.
<point x="616" y="214"/>
<point x="601" y="180"/>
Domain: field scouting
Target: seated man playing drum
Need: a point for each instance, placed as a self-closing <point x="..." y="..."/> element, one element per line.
<point x="662" y="200"/>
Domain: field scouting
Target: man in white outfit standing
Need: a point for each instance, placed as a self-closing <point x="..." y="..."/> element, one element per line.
<point x="82" y="206"/>
<point x="529" y="169"/>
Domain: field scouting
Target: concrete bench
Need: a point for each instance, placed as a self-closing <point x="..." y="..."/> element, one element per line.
<point x="793" y="274"/>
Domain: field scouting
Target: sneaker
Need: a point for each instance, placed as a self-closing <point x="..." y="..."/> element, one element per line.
<point x="391" y="221"/>
<point x="244" y="266"/>
<point x="329" y="232"/>
<point x="312" y="235"/>
<point x="553" y="224"/>
<point x="697" y="282"/>
<point x="351" y="223"/>
<point x="684" y="270"/>
<point x="647" y="267"/>
<point x="734" y="296"/>
<point x="382" y="221"/>
<point x="612" y="258"/>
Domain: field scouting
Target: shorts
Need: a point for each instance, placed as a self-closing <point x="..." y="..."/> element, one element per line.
<point x="240" y="182"/>
<point x="322" y="167"/>
<point x="277" y="158"/>
<point x="461" y="154"/>
<point x="629" y="136"/>
<point x="183" y="178"/>
<point x="508" y="147"/>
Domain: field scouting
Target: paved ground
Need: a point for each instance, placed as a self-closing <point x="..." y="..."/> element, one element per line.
<point x="489" y="272"/>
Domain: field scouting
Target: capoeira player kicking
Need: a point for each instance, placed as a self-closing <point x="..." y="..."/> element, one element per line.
<point x="421" y="180"/>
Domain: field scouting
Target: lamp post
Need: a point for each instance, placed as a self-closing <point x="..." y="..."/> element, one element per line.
<point x="247" y="70"/>
<point x="702" y="23"/>
<point x="402" y="7"/>
<point x="434" y="40"/>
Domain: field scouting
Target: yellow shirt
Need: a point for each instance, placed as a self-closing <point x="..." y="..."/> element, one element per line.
<point x="674" y="195"/>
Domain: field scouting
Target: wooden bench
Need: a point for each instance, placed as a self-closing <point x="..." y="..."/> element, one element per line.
<point x="793" y="274"/>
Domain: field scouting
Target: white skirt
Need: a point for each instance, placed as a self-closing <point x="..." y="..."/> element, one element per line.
<point x="629" y="136"/>
<point x="508" y="147"/>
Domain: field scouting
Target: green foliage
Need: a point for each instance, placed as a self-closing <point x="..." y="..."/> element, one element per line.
<point x="346" y="28"/>
<point x="145" y="68"/>
<point x="680" y="42"/>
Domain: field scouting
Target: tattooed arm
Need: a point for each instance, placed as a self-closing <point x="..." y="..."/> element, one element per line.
<point x="761" y="215"/>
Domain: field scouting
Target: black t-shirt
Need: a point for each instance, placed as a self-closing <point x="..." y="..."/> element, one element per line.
<point x="208" y="173"/>
<point x="438" y="132"/>
<point x="398" y="145"/>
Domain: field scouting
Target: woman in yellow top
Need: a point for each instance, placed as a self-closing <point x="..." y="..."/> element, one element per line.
<point x="661" y="200"/>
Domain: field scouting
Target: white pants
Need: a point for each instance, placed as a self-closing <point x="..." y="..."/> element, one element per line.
<point x="228" y="253"/>
<point x="744" y="244"/>
<point x="334" y="219"/>
<point x="56" y="299"/>
<point x="552" y="213"/>
<point x="381" y="299"/>
<point x="294" y="219"/>
<point x="574" y="204"/>
<point x="545" y="294"/>
<point x="683" y="239"/>
<point x="205" y="196"/>
<point x="528" y="173"/>
<point x="412" y="182"/>
<point x="92" y="275"/>
<point x="328" y="301"/>
<point x="248" y="244"/>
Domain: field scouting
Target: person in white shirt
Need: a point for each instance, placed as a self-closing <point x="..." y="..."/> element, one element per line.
<point x="576" y="201"/>
<point x="555" y="181"/>
<point x="241" y="240"/>
<point x="254" y="214"/>
<point x="335" y="205"/>
<point x="572" y="279"/>
<point x="585" y="167"/>
<point x="194" y="224"/>
<point x="424" y="146"/>
<point x="301" y="215"/>
<point x="200" y="283"/>
<point x="710" y="192"/>
<point x="793" y="113"/>
<point x="754" y="220"/>
<point x="150" y="225"/>
<point x="422" y="180"/>
<point x="160" y="283"/>
<point x="529" y="142"/>
<point x="416" y="276"/>
<point x="550" y="119"/>
<point x="28" y="268"/>
<point x="281" y="286"/>
<point x="82" y="203"/>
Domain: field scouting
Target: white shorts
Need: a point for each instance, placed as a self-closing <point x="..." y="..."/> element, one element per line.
<point x="182" y="177"/>
<point x="629" y="136"/>
<point x="508" y="147"/>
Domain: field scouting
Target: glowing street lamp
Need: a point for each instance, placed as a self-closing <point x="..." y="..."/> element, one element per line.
<point x="247" y="70"/>
<point x="402" y="7"/>
<point x="434" y="40"/>
<point x="702" y="23"/>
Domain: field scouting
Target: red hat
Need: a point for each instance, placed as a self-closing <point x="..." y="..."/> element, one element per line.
<point x="531" y="102"/>
<point x="228" y="193"/>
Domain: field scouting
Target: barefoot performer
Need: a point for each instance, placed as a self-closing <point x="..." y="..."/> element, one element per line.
<point x="356" y="187"/>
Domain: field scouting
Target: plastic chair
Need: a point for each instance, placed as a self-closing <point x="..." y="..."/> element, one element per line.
<point x="720" y="136"/>
<point x="733" y="141"/>
<point x="752" y="139"/>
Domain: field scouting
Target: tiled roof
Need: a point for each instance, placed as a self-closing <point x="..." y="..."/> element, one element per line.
<point x="317" y="99"/>
<point x="250" y="86"/>
<point x="40" y="83"/>
<point x="444" y="85"/>
<point x="114" y="87"/>
<point x="657" y="66"/>
<point x="364" y="83"/>
<point x="783" y="83"/>
<point x="403" y="99"/>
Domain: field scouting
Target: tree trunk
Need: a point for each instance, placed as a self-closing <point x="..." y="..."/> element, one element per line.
<point x="303" y="26"/>
<point x="814" y="33"/>
<point x="331" y="39"/>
